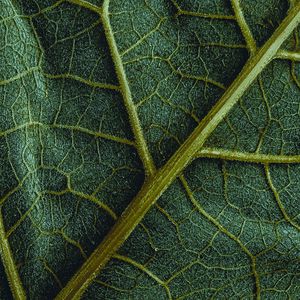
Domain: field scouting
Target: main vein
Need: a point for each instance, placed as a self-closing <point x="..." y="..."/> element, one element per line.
<point x="9" y="265"/>
<point x="155" y="186"/>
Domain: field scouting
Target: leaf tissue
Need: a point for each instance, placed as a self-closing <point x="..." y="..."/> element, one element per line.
<point x="149" y="149"/>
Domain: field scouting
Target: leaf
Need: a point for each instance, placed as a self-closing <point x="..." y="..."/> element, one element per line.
<point x="149" y="149"/>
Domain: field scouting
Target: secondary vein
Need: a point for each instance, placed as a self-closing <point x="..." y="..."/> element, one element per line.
<point x="291" y="55"/>
<point x="126" y="93"/>
<point x="157" y="184"/>
<point x="244" y="26"/>
<point x="259" y="158"/>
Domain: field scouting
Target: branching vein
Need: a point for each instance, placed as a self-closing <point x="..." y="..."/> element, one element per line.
<point x="69" y="127"/>
<point x="225" y="231"/>
<point x="155" y="186"/>
<point x="82" y="80"/>
<point x="145" y="270"/>
<point x="277" y="198"/>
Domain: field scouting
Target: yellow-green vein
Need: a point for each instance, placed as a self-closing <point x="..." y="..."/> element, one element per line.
<point x="247" y="157"/>
<point x="225" y="231"/>
<point x="277" y="198"/>
<point x="181" y="11"/>
<point x="19" y="76"/>
<point x="244" y="26"/>
<point x="87" y="5"/>
<point x="92" y="84"/>
<point x="9" y="265"/>
<point x="155" y="186"/>
<point x="125" y="90"/>
<point x="291" y="55"/>
<point x="145" y="270"/>
<point x="70" y="127"/>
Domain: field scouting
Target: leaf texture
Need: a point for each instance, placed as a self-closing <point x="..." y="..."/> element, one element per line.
<point x="149" y="149"/>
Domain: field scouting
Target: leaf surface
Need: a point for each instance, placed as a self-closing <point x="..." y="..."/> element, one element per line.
<point x="149" y="149"/>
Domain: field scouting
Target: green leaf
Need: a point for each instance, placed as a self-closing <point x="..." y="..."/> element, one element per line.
<point x="149" y="149"/>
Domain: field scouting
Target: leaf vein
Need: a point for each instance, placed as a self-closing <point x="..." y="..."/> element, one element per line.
<point x="155" y="186"/>
<point x="125" y="90"/>
<point x="9" y="265"/>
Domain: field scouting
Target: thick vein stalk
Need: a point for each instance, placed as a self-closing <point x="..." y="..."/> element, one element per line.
<point x="10" y="267"/>
<point x="155" y="186"/>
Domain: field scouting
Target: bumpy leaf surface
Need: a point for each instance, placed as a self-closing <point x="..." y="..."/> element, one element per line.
<point x="97" y="98"/>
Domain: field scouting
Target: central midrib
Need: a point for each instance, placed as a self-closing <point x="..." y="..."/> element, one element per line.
<point x="156" y="185"/>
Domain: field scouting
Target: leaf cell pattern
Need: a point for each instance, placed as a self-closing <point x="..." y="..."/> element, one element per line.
<point x="97" y="97"/>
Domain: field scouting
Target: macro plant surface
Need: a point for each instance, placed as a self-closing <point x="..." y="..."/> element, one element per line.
<point x="150" y="149"/>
